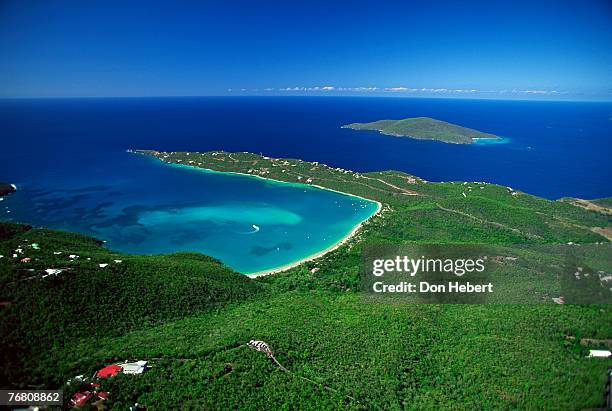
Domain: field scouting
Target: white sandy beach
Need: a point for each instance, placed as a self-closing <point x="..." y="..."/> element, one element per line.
<point x="321" y="253"/>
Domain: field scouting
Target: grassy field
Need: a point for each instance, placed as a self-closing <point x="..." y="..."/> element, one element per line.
<point x="191" y="317"/>
<point x="424" y="128"/>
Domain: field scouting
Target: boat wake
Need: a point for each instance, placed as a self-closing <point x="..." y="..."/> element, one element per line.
<point x="255" y="229"/>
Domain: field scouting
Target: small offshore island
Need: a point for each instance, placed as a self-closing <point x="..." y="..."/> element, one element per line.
<point x="425" y="128"/>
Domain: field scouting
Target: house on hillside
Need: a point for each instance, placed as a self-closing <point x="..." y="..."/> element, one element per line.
<point x="109" y="371"/>
<point x="137" y="367"/>
<point x="79" y="399"/>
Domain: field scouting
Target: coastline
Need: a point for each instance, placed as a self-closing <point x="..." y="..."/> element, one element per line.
<point x="384" y="132"/>
<point x="273" y="181"/>
<point x="475" y="140"/>
<point x="311" y="257"/>
<point x="321" y="253"/>
<point x="208" y="170"/>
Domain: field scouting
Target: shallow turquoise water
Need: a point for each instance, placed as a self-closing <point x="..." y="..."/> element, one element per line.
<point x="143" y="206"/>
<point x="491" y="141"/>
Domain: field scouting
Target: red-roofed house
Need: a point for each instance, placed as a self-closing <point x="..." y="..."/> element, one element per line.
<point x="80" y="398"/>
<point x="108" y="371"/>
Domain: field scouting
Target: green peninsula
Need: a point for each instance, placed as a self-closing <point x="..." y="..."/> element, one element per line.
<point x="424" y="128"/>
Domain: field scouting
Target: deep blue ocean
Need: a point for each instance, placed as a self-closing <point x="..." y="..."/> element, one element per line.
<point x="556" y="149"/>
<point x="67" y="156"/>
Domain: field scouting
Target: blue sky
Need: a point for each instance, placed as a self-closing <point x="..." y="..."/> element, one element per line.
<point x="533" y="49"/>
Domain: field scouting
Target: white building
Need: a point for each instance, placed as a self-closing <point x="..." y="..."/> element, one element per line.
<point x="137" y="367"/>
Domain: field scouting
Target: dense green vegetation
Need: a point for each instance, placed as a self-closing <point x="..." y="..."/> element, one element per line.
<point x="424" y="128"/>
<point x="600" y="205"/>
<point x="376" y="356"/>
<point x="604" y="202"/>
<point x="191" y="317"/>
<point x="41" y="311"/>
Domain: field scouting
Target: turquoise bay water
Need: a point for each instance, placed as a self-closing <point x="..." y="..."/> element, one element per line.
<point x="491" y="141"/>
<point x="140" y="205"/>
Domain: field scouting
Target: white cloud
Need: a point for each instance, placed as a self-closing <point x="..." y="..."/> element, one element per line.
<point x="313" y="88"/>
<point x="407" y="90"/>
<point x="538" y="91"/>
<point x="358" y="89"/>
<point x="292" y="89"/>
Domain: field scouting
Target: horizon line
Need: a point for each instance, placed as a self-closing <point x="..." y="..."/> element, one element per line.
<point x="429" y="97"/>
